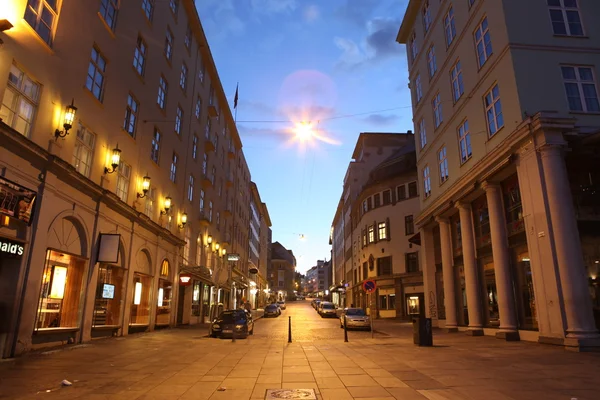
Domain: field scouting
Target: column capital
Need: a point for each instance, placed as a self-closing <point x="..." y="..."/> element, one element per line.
<point x="463" y="205"/>
<point x="551" y="149"/>
<point x="442" y="220"/>
<point x="490" y="185"/>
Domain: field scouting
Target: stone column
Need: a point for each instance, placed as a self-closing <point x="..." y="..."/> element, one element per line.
<point x="427" y="261"/>
<point x="448" y="274"/>
<point x="581" y="330"/>
<point x="500" y="251"/>
<point x="471" y="275"/>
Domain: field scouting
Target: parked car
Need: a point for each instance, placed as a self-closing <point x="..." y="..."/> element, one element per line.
<point x="327" y="309"/>
<point x="272" y="310"/>
<point x="232" y="321"/>
<point x="281" y="304"/>
<point x="355" y="318"/>
<point x="316" y="304"/>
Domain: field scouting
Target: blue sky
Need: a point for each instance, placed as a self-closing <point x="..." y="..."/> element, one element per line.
<point x="302" y="60"/>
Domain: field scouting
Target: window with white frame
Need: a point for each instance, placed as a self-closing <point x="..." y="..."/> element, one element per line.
<point x="95" y="76"/>
<point x="449" y="27"/>
<point x="148" y="8"/>
<point x="414" y="48"/>
<point x="210" y="210"/>
<point x="401" y="192"/>
<point x="169" y="44"/>
<point x="191" y="188"/>
<point x="426" y="182"/>
<point x="376" y="200"/>
<point x="188" y="37"/>
<point x="371" y="234"/>
<point x="456" y="80"/>
<point x="565" y="17"/>
<point x="149" y="206"/>
<point x="131" y="113"/>
<point x="178" y="120"/>
<point x="438" y="117"/>
<point x="155" y="147"/>
<point x="204" y="164"/>
<point x="174" y="6"/>
<point x="386" y="197"/>
<point x="195" y="147"/>
<point x="163" y="88"/>
<point x="483" y="42"/>
<point x="422" y="133"/>
<point x="426" y="16"/>
<point x="123" y="177"/>
<point x="443" y="164"/>
<point x="201" y="201"/>
<point x="431" y="64"/>
<point x="42" y="16"/>
<point x="183" y="77"/>
<point x="493" y="110"/>
<point x="198" y="109"/>
<point x="580" y="86"/>
<point x="139" y="56"/>
<point x="409" y="225"/>
<point x="464" y="142"/>
<point x="108" y="11"/>
<point x="173" y="171"/>
<point x="381" y="231"/>
<point x="20" y="101"/>
<point x="84" y="150"/>
<point x="418" y="88"/>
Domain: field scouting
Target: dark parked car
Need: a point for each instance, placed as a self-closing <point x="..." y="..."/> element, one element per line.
<point x="232" y="321"/>
<point x="272" y="310"/>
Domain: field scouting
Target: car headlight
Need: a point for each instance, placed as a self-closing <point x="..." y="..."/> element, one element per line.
<point x="238" y="327"/>
<point x="216" y="326"/>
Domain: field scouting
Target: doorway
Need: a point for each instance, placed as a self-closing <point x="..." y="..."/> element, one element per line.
<point x="180" y="302"/>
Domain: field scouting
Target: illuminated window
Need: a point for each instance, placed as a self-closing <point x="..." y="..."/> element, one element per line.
<point x="20" y="100"/>
<point x="84" y="150"/>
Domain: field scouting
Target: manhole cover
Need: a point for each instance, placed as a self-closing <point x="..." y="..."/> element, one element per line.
<point x="305" y="394"/>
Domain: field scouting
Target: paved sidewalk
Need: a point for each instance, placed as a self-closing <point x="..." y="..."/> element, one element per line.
<point x="185" y="364"/>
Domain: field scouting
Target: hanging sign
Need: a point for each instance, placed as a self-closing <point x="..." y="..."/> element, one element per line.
<point x="185" y="279"/>
<point x="16" y="201"/>
<point x="233" y="257"/>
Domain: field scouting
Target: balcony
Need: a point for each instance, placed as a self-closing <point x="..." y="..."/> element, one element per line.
<point x="206" y="182"/>
<point x="229" y="181"/>
<point x="212" y="111"/>
<point x="204" y="219"/>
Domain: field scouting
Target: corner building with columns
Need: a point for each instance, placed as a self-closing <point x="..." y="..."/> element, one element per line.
<point x="507" y="122"/>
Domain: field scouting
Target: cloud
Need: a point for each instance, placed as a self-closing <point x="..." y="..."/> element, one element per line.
<point x="311" y="13"/>
<point x="219" y="19"/>
<point x="292" y="112"/>
<point x="356" y="11"/>
<point x="382" y="120"/>
<point x="274" y="6"/>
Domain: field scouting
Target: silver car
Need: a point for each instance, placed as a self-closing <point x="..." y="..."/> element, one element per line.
<point x="355" y="318"/>
<point x="327" y="309"/>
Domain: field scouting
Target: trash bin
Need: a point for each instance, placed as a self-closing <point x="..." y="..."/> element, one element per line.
<point x="422" y="333"/>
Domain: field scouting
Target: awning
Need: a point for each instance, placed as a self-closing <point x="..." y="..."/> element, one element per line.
<point x="198" y="271"/>
<point x="415" y="239"/>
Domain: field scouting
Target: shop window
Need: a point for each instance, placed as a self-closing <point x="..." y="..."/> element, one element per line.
<point x="412" y="262"/>
<point x="165" y="289"/>
<point x="526" y="304"/>
<point x="196" y="298"/>
<point x="60" y="295"/>
<point x="513" y="206"/>
<point x="482" y="222"/>
<point x="412" y="305"/>
<point x="140" y="308"/>
<point x="107" y="307"/>
<point x="387" y="302"/>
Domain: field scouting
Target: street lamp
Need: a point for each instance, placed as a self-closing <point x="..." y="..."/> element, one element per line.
<point x="115" y="160"/>
<point x="145" y="187"/>
<point x="70" y="112"/>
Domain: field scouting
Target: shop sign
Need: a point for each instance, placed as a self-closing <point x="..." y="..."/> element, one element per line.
<point x="233" y="257"/>
<point x="16" y="201"/>
<point x="185" y="279"/>
<point x="8" y="247"/>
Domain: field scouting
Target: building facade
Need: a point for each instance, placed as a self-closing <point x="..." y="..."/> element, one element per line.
<point x="282" y="274"/>
<point x="120" y="168"/>
<point x="506" y="115"/>
<point x="336" y="240"/>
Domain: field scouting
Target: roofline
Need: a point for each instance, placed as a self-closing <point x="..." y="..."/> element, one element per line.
<point x="363" y="134"/>
<point x="266" y="214"/>
<point x="412" y="10"/>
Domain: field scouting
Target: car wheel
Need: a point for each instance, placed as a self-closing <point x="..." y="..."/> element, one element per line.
<point x="252" y="331"/>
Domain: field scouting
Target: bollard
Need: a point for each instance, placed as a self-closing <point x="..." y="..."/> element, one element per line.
<point x="290" y="329"/>
<point x="345" y="330"/>
<point x="233" y="335"/>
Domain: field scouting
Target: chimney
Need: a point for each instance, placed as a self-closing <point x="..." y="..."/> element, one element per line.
<point x="409" y="132"/>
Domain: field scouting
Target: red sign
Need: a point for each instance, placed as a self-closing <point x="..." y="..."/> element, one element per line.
<point x="185" y="279"/>
<point x="369" y="286"/>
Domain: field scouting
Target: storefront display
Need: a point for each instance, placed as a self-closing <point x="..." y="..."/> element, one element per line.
<point x="165" y="292"/>
<point x="527" y="310"/>
<point x="140" y="309"/>
<point x="107" y="306"/>
<point x="196" y="298"/>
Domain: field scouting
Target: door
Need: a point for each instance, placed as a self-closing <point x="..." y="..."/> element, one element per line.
<point x="180" y="303"/>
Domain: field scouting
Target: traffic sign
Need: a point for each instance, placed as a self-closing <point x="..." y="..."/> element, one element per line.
<point x="369" y="286"/>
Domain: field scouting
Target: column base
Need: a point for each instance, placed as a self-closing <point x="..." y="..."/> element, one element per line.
<point x="474" y="332"/>
<point x="591" y="344"/>
<point x="451" y="329"/>
<point x="509" y="336"/>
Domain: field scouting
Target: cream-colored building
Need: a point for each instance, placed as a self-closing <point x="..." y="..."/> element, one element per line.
<point x="105" y="208"/>
<point x="506" y="115"/>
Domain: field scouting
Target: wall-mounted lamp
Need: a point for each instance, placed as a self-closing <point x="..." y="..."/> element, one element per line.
<point x="70" y="112"/>
<point x="145" y="187"/>
<point x="167" y="206"/>
<point x="217" y="247"/>
<point x="183" y="221"/>
<point x="209" y="240"/>
<point x="223" y="252"/>
<point x="5" y="25"/>
<point x="115" y="160"/>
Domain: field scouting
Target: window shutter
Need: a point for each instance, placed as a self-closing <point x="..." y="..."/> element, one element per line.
<point x="387" y="229"/>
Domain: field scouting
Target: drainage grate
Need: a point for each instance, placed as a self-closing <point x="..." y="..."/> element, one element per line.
<point x="291" y="394"/>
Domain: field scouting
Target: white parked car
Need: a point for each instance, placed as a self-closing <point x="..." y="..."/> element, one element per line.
<point x="281" y="304"/>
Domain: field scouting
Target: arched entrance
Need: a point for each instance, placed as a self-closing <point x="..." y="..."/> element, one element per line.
<point x="165" y="293"/>
<point x="142" y="286"/>
<point x="109" y="296"/>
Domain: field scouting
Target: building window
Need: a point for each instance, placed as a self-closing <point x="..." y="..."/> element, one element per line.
<point x="438" y="118"/>
<point x="173" y="174"/>
<point x="191" y="188"/>
<point x="426" y="16"/>
<point x="565" y="17"/>
<point x="169" y="44"/>
<point x="418" y="88"/>
<point x="139" y="56"/>
<point x="387" y="301"/>
<point x="108" y="10"/>
<point x="123" y="176"/>
<point x="201" y="201"/>
<point x="483" y="42"/>
<point x="201" y="71"/>
<point x="148" y="8"/>
<point x="204" y="164"/>
<point x="449" y="27"/>
<point x="412" y="189"/>
<point x="213" y="172"/>
<point x="426" y="182"/>
<point x="218" y="221"/>
<point x="401" y="192"/>
<point x="198" y="110"/>
<point x="387" y="197"/>
<point x="369" y="204"/>
<point x="131" y="112"/>
<point x="95" y="77"/>
<point x="457" y="81"/>
<point x="183" y="77"/>
<point x="381" y="231"/>
<point x="464" y="142"/>
<point x="471" y="2"/>
<point x="409" y="226"/>
<point x="443" y="163"/>
<point x="431" y="64"/>
<point x="493" y="110"/>
<point x="20" y="101"/>
<point x="174" y="6"/>
<point x="210" y="210"/>
<point x="414" y="49"/>
<point x="178" y="119"/>
<point x="84" y="150"/>
<point x="422" y="133"/>
<point x="376" y="200"/>
<point x="384" y="266"/>
<point x="155" y="148"/>
<point x="188" y="37"/>
<point x="194" y="147"/>
<point x="412" y="262"/>
<point x="207" y="129"/>
<point x="163" y="88"/>
<point x="581" y="89"/>
<point x="149" y="206"/>
<point x="371" y="231"/>
<point x="42" y="15"/>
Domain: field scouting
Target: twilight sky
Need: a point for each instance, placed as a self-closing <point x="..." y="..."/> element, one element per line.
<point x="303" y="60"/>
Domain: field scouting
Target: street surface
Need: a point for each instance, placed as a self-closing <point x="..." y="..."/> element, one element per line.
<point x="186" y="364"/>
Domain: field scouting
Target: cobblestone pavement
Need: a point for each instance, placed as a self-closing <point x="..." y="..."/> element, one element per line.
<point x="186" y="364"/>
